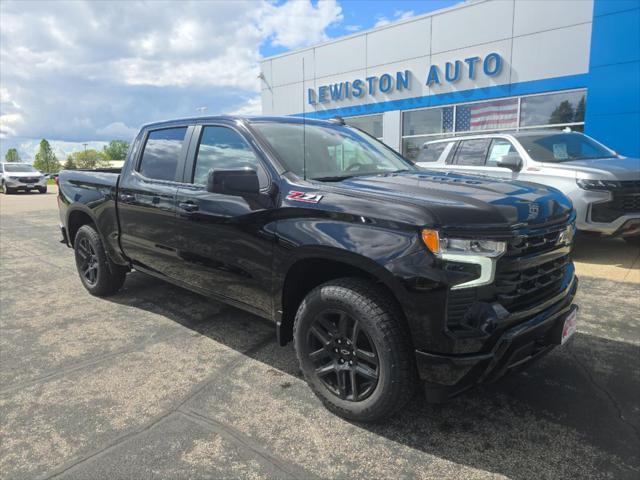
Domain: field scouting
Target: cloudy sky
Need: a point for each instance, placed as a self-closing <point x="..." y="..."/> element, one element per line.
<point x="90" y="71"/>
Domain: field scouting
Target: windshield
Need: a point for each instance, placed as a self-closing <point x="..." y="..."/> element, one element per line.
<point x="333" y="152"/>
<point x="563" y="147"/>
<point x="18" y="167"/>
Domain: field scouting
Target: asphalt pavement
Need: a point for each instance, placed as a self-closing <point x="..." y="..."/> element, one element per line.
<point x="157" y="382"/>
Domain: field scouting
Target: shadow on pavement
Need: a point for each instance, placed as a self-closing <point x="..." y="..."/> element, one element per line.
<point x="587" y="391"/>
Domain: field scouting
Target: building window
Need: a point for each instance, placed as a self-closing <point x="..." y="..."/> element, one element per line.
<point x="372" y="124"/>
<point x="555" y="110"/>
<point x="419" y="126"/>
<point x="493" y="115"/>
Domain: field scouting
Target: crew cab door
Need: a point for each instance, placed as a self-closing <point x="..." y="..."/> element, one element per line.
<point x="225" y="242"/>
<point x="147" y="201"/>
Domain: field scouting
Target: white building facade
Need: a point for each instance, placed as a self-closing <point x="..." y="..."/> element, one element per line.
<point x="479" y="66"/>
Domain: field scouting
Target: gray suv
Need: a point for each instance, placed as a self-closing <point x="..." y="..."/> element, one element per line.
<point x="603" y="186"/>
<point x="21" y="176"/>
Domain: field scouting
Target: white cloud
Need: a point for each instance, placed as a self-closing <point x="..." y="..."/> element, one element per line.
<point x="8" y="124"/>
<point x="299" y="23"/>
<point x="353" y="28"/>
<point x="117" y="130"/>
<point x="253" y="106"/>
<point x="397" y="16"/>
<point x="81" y="70"/>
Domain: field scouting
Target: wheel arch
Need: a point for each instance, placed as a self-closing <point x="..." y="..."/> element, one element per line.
<point x="306" y="271"/>
<point x="78" y="217"/>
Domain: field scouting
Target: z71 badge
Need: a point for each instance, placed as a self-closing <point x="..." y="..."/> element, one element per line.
<point x="304" y="197"/>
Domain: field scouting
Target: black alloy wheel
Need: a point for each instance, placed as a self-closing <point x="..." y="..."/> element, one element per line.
<point x="344" y="355"/>
<point x="88" y="266"/>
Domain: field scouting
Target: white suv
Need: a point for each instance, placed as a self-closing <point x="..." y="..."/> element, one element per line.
<point x="21" y="176"/>
<point x="604" y="186"/>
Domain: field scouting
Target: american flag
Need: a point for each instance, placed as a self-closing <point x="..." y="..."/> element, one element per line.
<point x="495" y="115"/>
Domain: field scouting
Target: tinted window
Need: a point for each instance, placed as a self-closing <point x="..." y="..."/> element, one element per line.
<point x="331" y="151"/>
<point x="431" y="152"/>
<point x="567" y="107"/>
<point x="222" y="149"/>
<point x="499" y="148"/>
<point x="18" y="167"/>
<point x="562" y="147"/>
<point x="162" y="153"/>
<point x="472" y="152"/>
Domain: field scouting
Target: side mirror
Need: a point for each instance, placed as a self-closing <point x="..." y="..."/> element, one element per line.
<point x="233" y="182"/>
<point x="512" y="161"/>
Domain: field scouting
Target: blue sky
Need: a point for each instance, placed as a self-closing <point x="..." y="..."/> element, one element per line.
<point x="81" y="71"/>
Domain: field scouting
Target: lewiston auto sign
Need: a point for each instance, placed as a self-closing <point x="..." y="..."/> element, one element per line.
<point x="451" y="72"/>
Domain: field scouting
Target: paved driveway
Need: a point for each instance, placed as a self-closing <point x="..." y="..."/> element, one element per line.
<point x="157" y="382"/>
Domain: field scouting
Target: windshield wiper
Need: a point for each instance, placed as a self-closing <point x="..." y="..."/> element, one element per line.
<point x="336" y="178"/>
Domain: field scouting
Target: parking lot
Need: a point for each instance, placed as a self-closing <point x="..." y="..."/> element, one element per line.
<point x="157" y="382"/>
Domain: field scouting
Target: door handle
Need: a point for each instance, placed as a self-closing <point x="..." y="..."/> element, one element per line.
<point x="188" y="206"/>
<point x="127" y="198"/>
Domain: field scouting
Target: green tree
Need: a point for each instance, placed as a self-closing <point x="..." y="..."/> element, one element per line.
<point x="69" y="164"/>
<point x="563" y="113"/>
<point x="580" y="109"/>
<point x="12" y="155"/>
<point x="89" y="159"/>
<point x="116" y="150"/>
<point x="46" y="160"/>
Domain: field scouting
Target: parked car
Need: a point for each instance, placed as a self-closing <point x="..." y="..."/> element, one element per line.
<point x="380" y="273"/>
<point x="603" y="186"/>
<point x="21" y="176"/>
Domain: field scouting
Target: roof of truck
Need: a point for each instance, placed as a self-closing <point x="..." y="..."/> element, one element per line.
<point x="236" y="118"/>
<point x="524" y="133"/>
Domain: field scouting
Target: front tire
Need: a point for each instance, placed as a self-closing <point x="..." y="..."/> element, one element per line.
<point x="354" y="349"/>
<point x="98" y="275"/>
<point x="6" y="190"/>
<point x="42" y="189"/>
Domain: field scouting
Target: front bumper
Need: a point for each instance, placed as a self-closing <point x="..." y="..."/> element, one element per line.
<point x="17" y="184"/>
<point x="447" y="375"/>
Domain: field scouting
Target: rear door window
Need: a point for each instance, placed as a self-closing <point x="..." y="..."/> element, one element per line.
<point x="431" y="152"/>
<point x="161" y="154"/>
<point x="472" y="152"/>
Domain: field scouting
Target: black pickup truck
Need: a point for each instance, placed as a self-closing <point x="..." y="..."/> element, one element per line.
<point x="381" y="273"/>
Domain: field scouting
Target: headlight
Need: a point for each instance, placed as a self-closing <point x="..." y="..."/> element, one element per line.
<point x="597" y="184"/>
<point x="442" y="246"/>
<point x="483" y="253"/>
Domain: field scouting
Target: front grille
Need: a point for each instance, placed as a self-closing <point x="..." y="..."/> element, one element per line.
<point x="534" y="244"/>
<point x="532" y="270"/>
<point x="458" y="305"/>
<point x="626" y="200"/>
<point x="28" y="179"/>
<point x="517" y="290"/>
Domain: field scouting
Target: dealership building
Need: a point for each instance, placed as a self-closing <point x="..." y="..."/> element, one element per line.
<point x="479" y="66"/>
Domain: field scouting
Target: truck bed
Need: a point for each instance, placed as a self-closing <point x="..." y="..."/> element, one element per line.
<point x="96" y="190"/>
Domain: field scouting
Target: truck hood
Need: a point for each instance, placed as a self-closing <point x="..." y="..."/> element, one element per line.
<point x="465" y="201"/>
<point x="612" y="168"/>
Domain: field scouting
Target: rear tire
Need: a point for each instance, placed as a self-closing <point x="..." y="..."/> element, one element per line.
<point x="98" y="275"/>
<point x="350" y="332"/>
